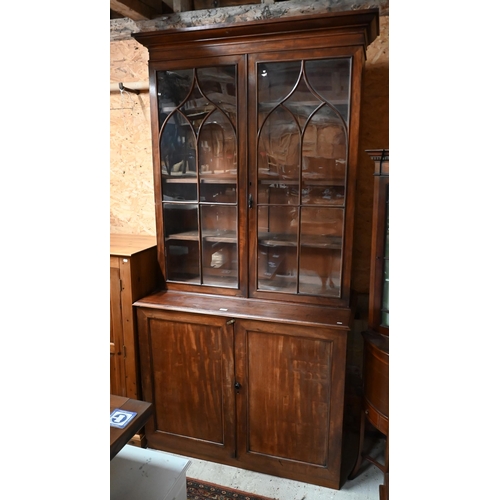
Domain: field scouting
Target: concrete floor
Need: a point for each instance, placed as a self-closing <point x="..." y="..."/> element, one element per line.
<point x="364" y="487"/>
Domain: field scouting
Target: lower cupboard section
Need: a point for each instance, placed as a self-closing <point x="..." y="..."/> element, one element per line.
<point x="257" y="394"/>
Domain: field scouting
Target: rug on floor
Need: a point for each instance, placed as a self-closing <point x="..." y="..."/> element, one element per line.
<point x="199" y="490"/>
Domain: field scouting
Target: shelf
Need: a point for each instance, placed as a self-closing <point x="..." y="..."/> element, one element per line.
<point x="220" y="236"/>
<point x="208" y="235"/>
<point x="219" y="274"/>
<point x="301" y="108"/>
<point x="187" y="236"/>
<point x="228" y="178"/>
<point x="179" y="180"/>
<point x="288" y="181"/>
<point x="332" y="242"/>
<point x="204" y="178"/>
<point x="286" y="240"/>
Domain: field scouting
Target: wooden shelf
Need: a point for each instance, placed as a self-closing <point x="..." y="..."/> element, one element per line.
<point x="207" y="235"/>
<point x="287" y="240"/>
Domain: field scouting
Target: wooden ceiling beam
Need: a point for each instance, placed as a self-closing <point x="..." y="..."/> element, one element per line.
<point x="137" y="10"/>
<point x="179" y="5"/>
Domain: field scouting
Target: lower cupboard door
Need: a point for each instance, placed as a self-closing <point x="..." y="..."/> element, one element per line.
<point x="290" y="403"/>
<point x="187" y="372"/>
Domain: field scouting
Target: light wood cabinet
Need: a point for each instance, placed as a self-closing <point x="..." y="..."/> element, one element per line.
<point x="134" y="273"/>
<point x="255" y="143"/>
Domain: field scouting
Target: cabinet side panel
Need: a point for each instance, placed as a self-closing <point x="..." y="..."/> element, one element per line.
<point x="139" y="275"/>
<point x="145" y="274"/>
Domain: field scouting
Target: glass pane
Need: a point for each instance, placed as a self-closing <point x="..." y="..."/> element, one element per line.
<point x="179" y="189"/>
<point x="218" y="192"/>
<point x="173" y="88"/>
<point x="219" y="245"/>
<point x="302" y="102"/>
<point x="219" y="221"/>
<point x="278" y="193"/>
<point x="326" y="137"/>
<point x="275" y="82"/>
<point x="321" y="251"/>
<point x="196" y="108"/>
<point x="385" y="295"/>
<point x="386" y="242"/>
<point x="320" y="270"/>
<point x="178" y="148"/>
<point x="322" y="194"/>
<point x="183" y="260"/>
<point x="180" y="220"/>
<point x="385" y="319"/>
<point x="321" y="226"/>
<point x="218" y="85"/>
<point x="181" y="242"/>
<point x="217" y="145"/>
<point x="331" y="79"/>
<point x="277" y="248"/>
<point x="385" y="284"/>
<point x="324" y="159"/>
<point x="279" y="147"/>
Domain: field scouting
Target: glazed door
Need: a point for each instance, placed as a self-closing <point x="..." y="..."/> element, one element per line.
<point x="201" y="163"/>
<point x="299" y="158"/>
<point x="289" y="399"/>
<point x="188" y="374"/>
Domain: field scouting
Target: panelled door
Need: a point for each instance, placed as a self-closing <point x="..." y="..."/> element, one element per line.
<point x="188" y="374"/>
<point x="289" y="397"/>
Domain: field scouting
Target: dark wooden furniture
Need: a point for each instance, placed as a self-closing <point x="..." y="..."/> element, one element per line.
<point x="120" y="437"/>
<point x="133" y="274"/>
<point x="378" y="311"/>
<point x="255" y="142"/>
<point x="375" y="408"/>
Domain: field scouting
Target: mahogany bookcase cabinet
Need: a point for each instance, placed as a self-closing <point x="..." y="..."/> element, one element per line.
<point x="255" y="143"/>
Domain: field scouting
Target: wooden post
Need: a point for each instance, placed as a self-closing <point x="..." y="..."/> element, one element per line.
<point x="183" y="5"/>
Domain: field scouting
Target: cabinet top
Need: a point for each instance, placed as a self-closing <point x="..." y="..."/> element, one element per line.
<point x="130" y="244"/>
<point x="251" y="309"/>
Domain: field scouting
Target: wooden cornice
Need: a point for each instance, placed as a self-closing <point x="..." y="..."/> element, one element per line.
<point x="362" y="21"/>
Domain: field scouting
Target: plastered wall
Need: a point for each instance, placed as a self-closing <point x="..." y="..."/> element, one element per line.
<point x="131" y="166"/>
<point x="131" y="170"/>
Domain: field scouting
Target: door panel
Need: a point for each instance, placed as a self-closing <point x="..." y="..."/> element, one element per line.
<point x="188" y="374"/>
<point x="288" y="396"/>
<point x="290" y="405"/>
